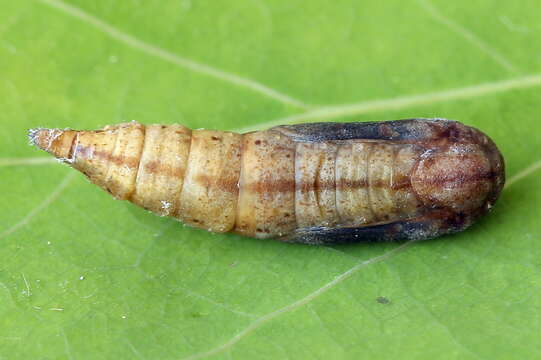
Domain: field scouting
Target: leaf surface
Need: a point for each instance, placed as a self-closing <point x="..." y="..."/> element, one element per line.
<point x="83" y="276"/>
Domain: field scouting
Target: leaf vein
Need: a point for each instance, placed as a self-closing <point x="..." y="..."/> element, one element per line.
<point x="172" y="58"/>
<point x="327" y="113"/>
<point x="27" y="161"/>
<point x="46" y="202"/>
<point x="468" y="36"/>
<point x="299" y="303"/>
<point x="523" y="173"/>
<point x="424" y="307"/>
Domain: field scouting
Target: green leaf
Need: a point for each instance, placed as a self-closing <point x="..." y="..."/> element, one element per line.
<point x="83" y="276"/>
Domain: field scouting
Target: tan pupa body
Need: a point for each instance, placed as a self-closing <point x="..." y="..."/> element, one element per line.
<point x="312" y="183"/>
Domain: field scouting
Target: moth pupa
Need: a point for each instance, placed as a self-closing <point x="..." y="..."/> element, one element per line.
<point x="317" y="183"/>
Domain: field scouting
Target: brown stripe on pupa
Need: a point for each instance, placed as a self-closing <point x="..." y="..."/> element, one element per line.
<point x="158" y="168"/>
<point x="89" y="153"/>
<point x="229" y="185"/>
<point x="289" y="185"/>
<point x="464" y="178"/>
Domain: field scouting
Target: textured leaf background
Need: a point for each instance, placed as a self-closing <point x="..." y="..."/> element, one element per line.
<point x="83" y="276"/>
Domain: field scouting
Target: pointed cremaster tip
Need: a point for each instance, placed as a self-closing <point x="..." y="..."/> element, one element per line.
<point x="34" y="136"/>
<point x="57" y="142"/>
<point x="43" y="138"/>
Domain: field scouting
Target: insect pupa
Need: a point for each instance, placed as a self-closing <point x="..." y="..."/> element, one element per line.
<point x="316" y="183"/>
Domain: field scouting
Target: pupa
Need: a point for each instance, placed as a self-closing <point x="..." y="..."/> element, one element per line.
<point x="317" y="183"/>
